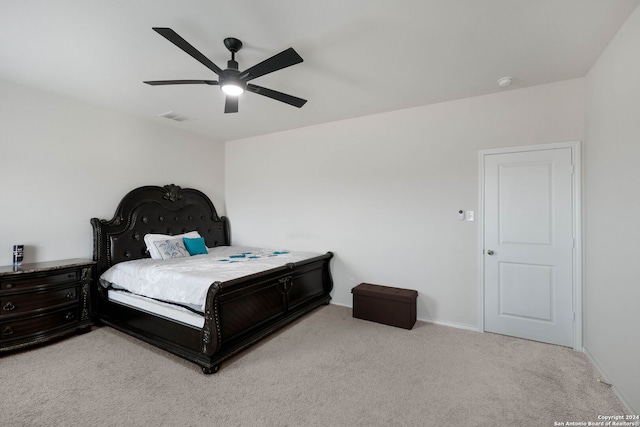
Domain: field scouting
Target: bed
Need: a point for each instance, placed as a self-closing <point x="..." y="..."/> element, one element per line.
<point x="236" y="313"/>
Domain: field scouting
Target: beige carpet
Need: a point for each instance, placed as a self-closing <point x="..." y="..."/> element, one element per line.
<point x="327" y="369"/>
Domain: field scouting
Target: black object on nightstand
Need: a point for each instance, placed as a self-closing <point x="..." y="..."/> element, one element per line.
<point x="43" y="301"/>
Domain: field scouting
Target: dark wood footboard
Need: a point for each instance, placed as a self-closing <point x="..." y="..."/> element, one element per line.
<point x="242" y="311"/>
<point x="238" y="312"/>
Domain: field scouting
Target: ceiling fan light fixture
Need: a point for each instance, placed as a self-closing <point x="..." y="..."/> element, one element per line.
<point x="232" y="88"/>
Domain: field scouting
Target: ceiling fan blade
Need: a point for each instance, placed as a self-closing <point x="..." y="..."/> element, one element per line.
<point x="284" y="59"/>
<point x="231" y="104"/>
<point x="278" y="96"/>
<point x="174" y="38"/>
<point x="181" y="82"/>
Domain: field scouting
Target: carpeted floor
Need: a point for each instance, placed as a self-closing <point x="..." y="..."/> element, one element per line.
<point x="327" y="369"/>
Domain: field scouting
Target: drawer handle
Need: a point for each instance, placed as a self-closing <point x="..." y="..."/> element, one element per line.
<point x="9" y="306"/>
<point x="69" y="316"/>
<point x="9" y="285"/>
<point x="71" y="295"/>
<point x="7" y="331"/>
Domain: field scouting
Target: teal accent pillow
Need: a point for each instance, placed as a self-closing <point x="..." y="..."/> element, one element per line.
<point x="195" y="246"/>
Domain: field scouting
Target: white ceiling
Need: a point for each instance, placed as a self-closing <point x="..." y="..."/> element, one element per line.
<point x="360" y="56"/>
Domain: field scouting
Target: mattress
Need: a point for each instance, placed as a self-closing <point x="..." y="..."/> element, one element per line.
<point x="158" y="308"/>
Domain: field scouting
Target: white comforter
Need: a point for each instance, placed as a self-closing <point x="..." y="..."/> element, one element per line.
<point x="186" y="280"/>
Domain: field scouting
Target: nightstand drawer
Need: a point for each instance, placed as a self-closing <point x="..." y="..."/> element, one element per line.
<point x="22" y="303"/>
<point x="38" y="324"/>
<point x="20" y="283"/>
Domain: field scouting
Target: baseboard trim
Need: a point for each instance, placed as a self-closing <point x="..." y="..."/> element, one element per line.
<point x="465" y="326"/>
<point x="435" y="322"/>
<point x="341" y="305"/>
<point x="606" y="379"/>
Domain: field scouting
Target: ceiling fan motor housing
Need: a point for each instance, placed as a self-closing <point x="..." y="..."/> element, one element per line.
<point x="229" y="76"/>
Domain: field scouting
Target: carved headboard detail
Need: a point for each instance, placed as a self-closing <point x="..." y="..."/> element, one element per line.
<point x="153" y="209"/>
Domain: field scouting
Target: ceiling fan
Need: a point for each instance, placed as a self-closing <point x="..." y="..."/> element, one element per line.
<point x="231" y="80"/>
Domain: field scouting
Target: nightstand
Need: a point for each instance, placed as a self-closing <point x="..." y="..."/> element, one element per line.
<point x="43" y="301"/>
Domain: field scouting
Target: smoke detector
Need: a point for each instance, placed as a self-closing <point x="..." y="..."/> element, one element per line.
<point x="504" y="81"/>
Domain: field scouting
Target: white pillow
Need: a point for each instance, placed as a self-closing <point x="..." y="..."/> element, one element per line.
<point x="150" y="238"/>
<point x="171" y="248"/>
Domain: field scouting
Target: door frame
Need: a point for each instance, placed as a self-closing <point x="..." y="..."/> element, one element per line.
<point x="577" y="229"/>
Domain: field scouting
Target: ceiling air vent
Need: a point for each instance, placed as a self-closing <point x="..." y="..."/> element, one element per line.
<point x="173" y="116"/>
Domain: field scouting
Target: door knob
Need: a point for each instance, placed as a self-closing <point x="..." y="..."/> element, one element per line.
<point x="489" y="252"/>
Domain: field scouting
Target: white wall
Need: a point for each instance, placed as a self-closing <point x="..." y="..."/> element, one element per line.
<point x="383" y="191"/>
<point x="612" y="199"/>
<point x="63" y="162"/>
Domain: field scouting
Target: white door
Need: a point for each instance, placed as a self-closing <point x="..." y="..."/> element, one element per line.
<point x="529" y="244"/>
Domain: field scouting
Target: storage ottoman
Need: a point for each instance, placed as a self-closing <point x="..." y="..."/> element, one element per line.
<point x="384" y="304"/>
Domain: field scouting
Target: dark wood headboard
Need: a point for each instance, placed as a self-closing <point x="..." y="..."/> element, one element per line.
<point x="152" y="209"/>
